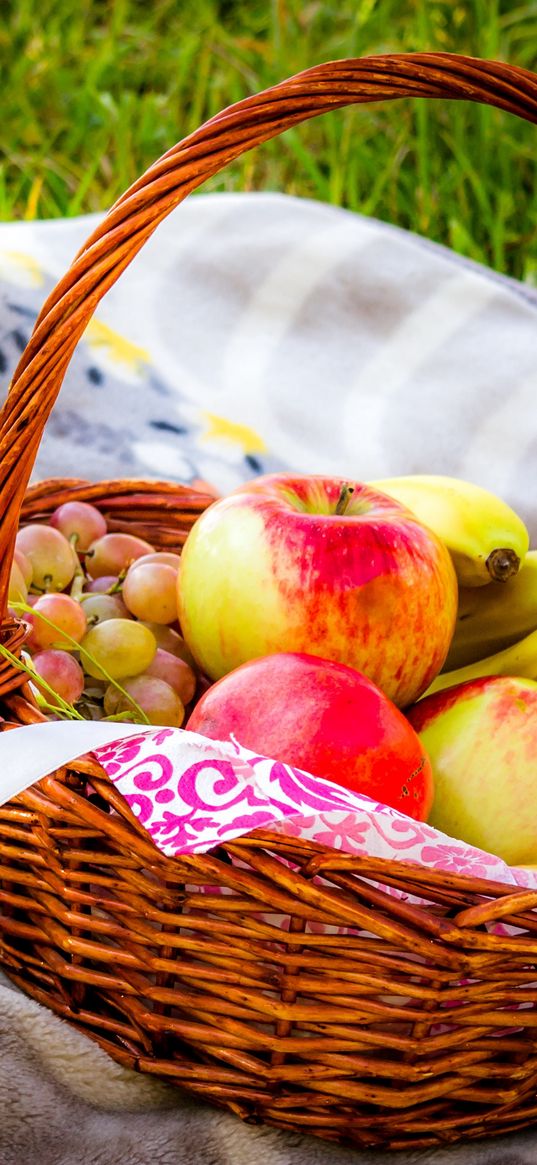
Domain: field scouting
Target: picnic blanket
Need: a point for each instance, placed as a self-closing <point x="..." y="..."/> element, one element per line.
<point x="255" y="332"/>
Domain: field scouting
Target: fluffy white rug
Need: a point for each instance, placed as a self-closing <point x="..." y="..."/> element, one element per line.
<point x="64" y="1102"/>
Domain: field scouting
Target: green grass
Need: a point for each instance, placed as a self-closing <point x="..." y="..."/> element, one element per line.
<point x="92" y="93"/>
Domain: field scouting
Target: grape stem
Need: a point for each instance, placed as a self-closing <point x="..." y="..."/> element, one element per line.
<point x="118" y="585"/>
<point x="79" y="578"/>
<point x="19" y="606"/>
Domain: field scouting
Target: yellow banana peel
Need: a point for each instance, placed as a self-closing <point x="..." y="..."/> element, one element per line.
<point x="518" y="660"/>
<point x="493" y="617"/>
<point x="487" y="540"/>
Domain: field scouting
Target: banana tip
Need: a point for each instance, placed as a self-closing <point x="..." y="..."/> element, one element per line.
<point x="502" y="564"/>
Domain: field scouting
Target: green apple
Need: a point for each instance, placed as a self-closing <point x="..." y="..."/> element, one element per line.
<point x="481" y="738"/>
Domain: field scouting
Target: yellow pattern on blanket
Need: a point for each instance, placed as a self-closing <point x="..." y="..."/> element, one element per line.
<point x="21" y="269"/>
<point x="116" y="348"/>
<point x="221" y="429"/>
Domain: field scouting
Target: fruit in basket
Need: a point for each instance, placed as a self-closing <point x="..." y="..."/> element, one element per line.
<point x="56" y="620"/>
<point x="175" y="672"/>
<point x="61" y="672"/>
<point x="486" y="538"/>
<point x="105" y="584"/>
<point x="99" y="607"/>
<point x="154" y="696"/>
<point x="52" y="557"/>
<point x="17" y="587"/>
<point x="160" y="556"/>
<point x="518" y="660"/>
<point x="481" y="738"/>
<point x="150" y="592"/>
<point x="80" y="523"/>
<point x="117" y="648"/>
<point x="69" y="612"/>
<point x="170" y="640"/>
<point x="24" y="566"/>
<point x="325" y="718"/>
<point x="113" y="553"/>
<point x="319" y="565"/>
<point x="492" y="618"/>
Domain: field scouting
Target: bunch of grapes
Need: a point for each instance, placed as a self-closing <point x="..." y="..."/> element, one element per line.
<point x="102" y="614"/>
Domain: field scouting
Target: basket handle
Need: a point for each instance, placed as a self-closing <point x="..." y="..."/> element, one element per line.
<point x="134" y="217"/>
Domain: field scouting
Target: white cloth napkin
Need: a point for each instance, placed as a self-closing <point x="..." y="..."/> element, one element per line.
<point x="255" y="331"/>
<point x="38" y="749"/>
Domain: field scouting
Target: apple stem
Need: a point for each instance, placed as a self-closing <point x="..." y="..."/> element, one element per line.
<point x="345" y="495"/>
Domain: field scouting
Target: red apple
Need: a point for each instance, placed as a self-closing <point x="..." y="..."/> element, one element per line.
<point x="481" y="738"/>
<point x="323" y="717"/>
<point x="315" y="564"/>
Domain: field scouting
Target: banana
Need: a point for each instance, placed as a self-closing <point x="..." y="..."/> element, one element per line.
<point x="491" y="618"/>
<point x="518" y="660"/>
<point x="485" y="537"/>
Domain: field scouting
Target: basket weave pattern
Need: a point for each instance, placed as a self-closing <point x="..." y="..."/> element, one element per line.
<point x="416" y="1025"/>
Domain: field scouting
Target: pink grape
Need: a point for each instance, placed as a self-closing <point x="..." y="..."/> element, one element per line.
<point x="52" y="557"/>
<point x="61" y="672"/>
<point x="120" y="647"/>
<point x="24" y="566"/>
<point x="170" y="640"/>
<point x="99" y="586"/>
<point x="161" y="556"/>
<point x="66" y="615"/>
<point x="175" y="672"/>
<point x="97" y="608"/>
<point x="79" y="521"/>
<point x="150" y="591"/>
<point x="113" y="553"/>
<point x="155" y="697"/>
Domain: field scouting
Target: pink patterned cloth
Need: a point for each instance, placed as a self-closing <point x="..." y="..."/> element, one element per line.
<point x="192" y="794"/>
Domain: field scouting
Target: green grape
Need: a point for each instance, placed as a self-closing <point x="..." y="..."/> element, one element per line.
<point x="52" y="557"/>
<point x="113" y="553"/>
<point x="79" y="522"/>
<point x="175" y="672"/>
<point x="99" y="607"/>
<point x="156" y="698"/>
<point x="150" y="592"/>
<point x="119" y="647"/>
<point x="61" y="672"/>
<point x="62" y="616"/>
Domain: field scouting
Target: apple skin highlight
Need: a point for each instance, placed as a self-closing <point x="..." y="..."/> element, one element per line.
<point x="324" y="718"/>
<point x="272" y="567"/>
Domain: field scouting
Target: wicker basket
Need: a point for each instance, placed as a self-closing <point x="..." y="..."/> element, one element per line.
<point x="418" y="1025"/>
